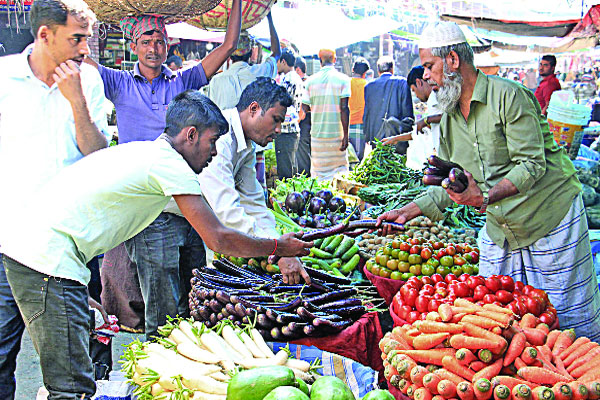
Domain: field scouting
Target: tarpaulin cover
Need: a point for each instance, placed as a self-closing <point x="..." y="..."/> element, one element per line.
<point x="386" y="287"/>
<point x="359" y="342"/>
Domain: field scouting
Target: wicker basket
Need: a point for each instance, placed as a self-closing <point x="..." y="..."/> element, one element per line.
<point x="253" y="11"/>
<point x="111" y="11"/>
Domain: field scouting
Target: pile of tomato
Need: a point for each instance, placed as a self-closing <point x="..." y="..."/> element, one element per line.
<point x="418" y="296"/>
<point x="407" y="257"/>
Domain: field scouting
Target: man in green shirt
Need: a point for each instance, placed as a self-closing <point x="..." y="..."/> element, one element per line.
<point x="536" y="229"/>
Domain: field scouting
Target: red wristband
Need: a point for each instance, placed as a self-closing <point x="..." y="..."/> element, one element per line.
<point x="275" y="249"/>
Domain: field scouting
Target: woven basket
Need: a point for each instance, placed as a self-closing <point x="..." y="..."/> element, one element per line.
<point x="216" y="19"/>
<point x="111" y="11"/>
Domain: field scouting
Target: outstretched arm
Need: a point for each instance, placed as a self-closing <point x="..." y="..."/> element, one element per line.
<point x="218" y="56"/>
<point x="275" y="46"/>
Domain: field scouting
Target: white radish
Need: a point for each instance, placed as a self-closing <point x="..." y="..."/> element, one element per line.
<point x="203" y="383"/>
<point x="297" y="364"/>
<point x="193" y="352"/>
<point x="256" y="352"/>
<point x="280" y="359"/>
<point x="153" y="362"/>
<point x="224" y="349"/>
<point x="137" y="379"/>
<point x="158" y="349"/>
<point x="234" y="341"/>
<point x="156" y="389"/>
<point x="187" y="329"/>
<point x="220" y="376"/>
<point x="168" y="382"/>
<point x="260" y="343"/>
<point x="179" y="337"/>
<point x="206" y="396"/>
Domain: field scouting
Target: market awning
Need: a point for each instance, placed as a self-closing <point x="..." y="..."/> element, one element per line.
<point x="542" y="28"/>
<point x="182" y="30"/>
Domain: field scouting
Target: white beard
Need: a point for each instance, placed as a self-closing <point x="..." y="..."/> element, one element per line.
<point x="448" y="94"/>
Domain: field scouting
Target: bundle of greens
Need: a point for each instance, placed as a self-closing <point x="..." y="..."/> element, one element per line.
<point x="461" y="216"/>
<point x="389" y="196"/>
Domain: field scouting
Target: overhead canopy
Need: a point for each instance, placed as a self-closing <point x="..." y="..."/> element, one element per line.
<point x="548" y="28"/>
<point x="313" y="26"/>
<point x="182" y="30"/>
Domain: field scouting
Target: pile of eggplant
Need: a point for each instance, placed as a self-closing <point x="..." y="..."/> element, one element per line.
<point x="278" y="311"/>
<point x="446" y="174"/>
<point x="317" y="210"/>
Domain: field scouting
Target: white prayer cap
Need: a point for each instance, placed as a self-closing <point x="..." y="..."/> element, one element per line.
<point x="441" y="33"/>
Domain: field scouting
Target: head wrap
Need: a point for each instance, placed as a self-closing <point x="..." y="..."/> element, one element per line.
<point x="134" y="27"/>
<point x="441" y="34"/>
<point x="327" y="53"/>
<point x="245" y="44"/>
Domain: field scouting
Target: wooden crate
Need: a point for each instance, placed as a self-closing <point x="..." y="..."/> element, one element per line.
<point x="345" y="185"/>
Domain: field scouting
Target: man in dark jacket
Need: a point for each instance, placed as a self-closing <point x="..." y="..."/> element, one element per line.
<point x="385" y="97"/>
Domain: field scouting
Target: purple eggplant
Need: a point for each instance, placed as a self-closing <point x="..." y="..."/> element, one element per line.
<point x="337" y="204"/>
<point x="294" y="202"/>
<point x="317" y="205"/>
<point x="342" y="303"/>
<point x="307" y="194"/>
<point x="325" y="194"/>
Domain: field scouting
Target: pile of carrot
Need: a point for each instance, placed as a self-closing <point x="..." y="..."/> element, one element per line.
<point x="471" y="352"/>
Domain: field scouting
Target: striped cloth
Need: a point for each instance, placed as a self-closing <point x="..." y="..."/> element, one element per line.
<point x="559" y="263"/>
<point x="323" y="93"/>
<point x="360" y="379"/>
<point x="356" y="135"/>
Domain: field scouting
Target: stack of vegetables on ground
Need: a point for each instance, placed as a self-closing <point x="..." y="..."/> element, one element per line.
<point x="192" y="361"/>
<point x="406" y="257"/>
<point x="472" y="351"/>
<point x="280" y="311"/>
<point x="422" y="295"/>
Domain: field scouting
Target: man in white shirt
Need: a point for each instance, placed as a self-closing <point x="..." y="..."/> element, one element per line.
<point x="51" y="115"/>
<point x="91" y="207"/>
<point x="235" y="194"/>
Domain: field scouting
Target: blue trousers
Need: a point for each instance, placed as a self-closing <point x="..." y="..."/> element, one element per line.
<point x="165" y="253"/>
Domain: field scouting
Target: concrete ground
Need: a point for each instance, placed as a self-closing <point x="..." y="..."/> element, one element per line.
<point x="29" y="375"/>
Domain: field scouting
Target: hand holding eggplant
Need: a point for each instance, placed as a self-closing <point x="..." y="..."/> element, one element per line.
<point x="406" y="213"/>
<point x="293" y="271"/>
<point x="290" y="245"/>
<point x="470" y="196"/>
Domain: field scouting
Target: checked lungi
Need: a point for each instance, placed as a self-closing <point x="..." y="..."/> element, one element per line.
<point x="559" y="263"/>
<point x="356" y="136"/>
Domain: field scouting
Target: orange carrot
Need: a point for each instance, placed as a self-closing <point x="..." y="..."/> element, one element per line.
<point x="490" y="371"/>
<point x="545" y="351"/>
<point x="473" y="343"/>
<point x="593" y="390"/>
<point x="445" y="311"/>
<point x="445" y="374"/>
<point x="463" y="310"/>
<point x="584" y="349"/>
<point x="562" y="391"/>
<point x="410" y="392"/>
<point x="519" y="363"/>
<point x="437" y="397"/>
<point x="580" y="341"/>
<point x="430" y="381"/>
<point x="452" y="365"/>
<point x="479" y="332"/>
<point x="460" y="302"/>
<point x="480" y="321"/>
<point x="433" y="316"/>
<point x="457" y="317"/>
<point x="535" y="336"/>
<point x="483" y="389"/>
<point x="429" y="341"/>
<point x="404" y="367"/>
<point x="591" y="365"/>
<point x="477" y="365"/>
<point x="497" y="330"/>
<point x="580" y="391"/>
<point x="446" y="388"/>
<point x="503" y="319"/>
<point x="509" y="381"/>
<point x="465" y="391"/>
<point x="560" y="366"/>
<point x="383" y="342"/>
<point x="417" y="374"/>
<point x="543" y="327"/>
<point x="540" y="375"/>
<point x="502" y="392"/>
<point x="433" y="356"/>
<point x="465" y="356"/>
<point x="529" y="355"/>
<point x="551" y="338"/>
<point x="542" y="393"/>
<point x="422" y="394"/>
<point x="528" y="321"/>
<point x="564" y="340"/>
<point x="594" y="353"/>
<point x="403" y="385"/>
<point x="590" y="376"/>
<point x="516" y="347"/>
<point x="485" y="355"/>
<point x="495" y="308"/>
<point x="521" y="391"/>
<point x="437" y="327"/>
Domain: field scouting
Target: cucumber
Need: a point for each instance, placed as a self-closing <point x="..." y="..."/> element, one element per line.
<point x="256" y="383"/>
<point x="303" y="386"/>
<point x="326" y="242"/>
<point x="343" y="247"/>
<point x="318" y="243"/>
<point x="337" y="240"/>
<point x="378" y="394"/>
<point x="350" y="252"/>
<point x="336" y="264"/>
<point x="330" y="388"/>
<point x="321" y="264"/>
<point x="320" y="253"/>
<point x="336" y="272"/>
<point x="350" y="264"/>
<point x="286" y="393"/>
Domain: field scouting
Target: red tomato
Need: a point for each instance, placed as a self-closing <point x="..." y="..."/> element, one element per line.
<point x="427" y="290"/>
<point x="450" y="298"/>
<point x="411" y="296"/>
<point x="493" y="284"/>
<point x="498" y="303"/>
<point x="451" y="250"/>
<point x="415" y="241"/>
<point x="464" y="277"/>
<point x="474" y="257"/>
<point x="519" y="286"/>
<point x="513" y="307"/>
<point x="437" y="278"/>
<point x="504" y="296"/>
<point x="479" y="292"/>
<point x="442" y="291"/>
<point x="422" y="303"/>
<point x="438" y="245"/>
<point x="507" y="283"/>
<point x="413" y="316"/>
<point x="541" y="295"/>
<point x="415" y="250"/>
<point x="427" y="280"/>
<point x="433" y="305"/>
<point x="404" y="311"/>
<point x="527" y="289"/>
<point x="426" y="254"/>
<point x="404" y="246"/>
<point x="450" y="278"/>
<point x="438" y="296"/>
<point x="489" y="298"/>
<point x="468" y="248"/>
<point x="441" y="285"/>
<point x="474" y="281"/>
<point x="441" y="253"/>
<point x="453" y="287"/>
<point x="534" y="306"/>
<point x="462" y="290"/>
<point x="416" y="281"/>
<point x="547" y="318"/>
<point x="459" y="248"/>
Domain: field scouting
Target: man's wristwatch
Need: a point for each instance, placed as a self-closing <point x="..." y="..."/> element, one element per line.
<point x="486" y="201"/>
<point x="427" y="124"/>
